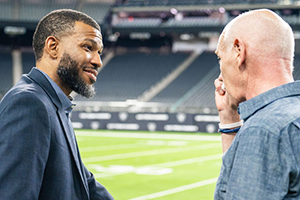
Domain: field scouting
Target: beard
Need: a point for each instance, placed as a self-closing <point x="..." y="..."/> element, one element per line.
<point x="68" y="72"/>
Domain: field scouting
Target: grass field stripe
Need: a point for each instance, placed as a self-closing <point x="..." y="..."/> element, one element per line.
<point x="109" y="147"/>
<point x="150" y="136"/>
<point x="177" y="189"/>
<point x="133" y="145"/>
<point x="187" y="161"/>
<point x="150" y="152"/>
<point x="169" y="164"/>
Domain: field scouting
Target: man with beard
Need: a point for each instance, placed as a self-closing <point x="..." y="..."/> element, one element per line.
<point x="38" y="149"/>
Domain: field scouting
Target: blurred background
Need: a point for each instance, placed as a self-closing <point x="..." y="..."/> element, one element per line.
<point x="159" y="61"/>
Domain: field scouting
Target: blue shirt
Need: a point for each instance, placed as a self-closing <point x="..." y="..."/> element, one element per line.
<point x="263" y="161"/>
<point x="66" y="102"/>
<point x="67" y="105"/>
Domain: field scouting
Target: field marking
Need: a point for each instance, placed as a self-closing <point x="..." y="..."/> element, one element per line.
<point x="188" y="161"/>
<point x="166" y="143"/>
<point x="113" y="170"/>
<point x="166" y="164"/>
<point x="150" y="136"/>
<point x="150" y="153"/>
<point x="109" y="147"/>
<point x="134" y="145"/>
<point x="177" y="189"/>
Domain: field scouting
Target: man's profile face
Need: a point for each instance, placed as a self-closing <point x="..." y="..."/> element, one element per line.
<point x="79" y="64"/>
<point x="227" y="65"/>
<point x="69" y="72"/>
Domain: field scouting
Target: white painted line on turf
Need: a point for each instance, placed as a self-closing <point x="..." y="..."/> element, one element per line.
<point x="134" y="145"/>
<point x="177" y="189"/>
<point x="150" y="136"/>
<point x="188" y="161"/>
<point x="159" y="165"/>
<point x="150" y="152"/>
<point x="113" y="170"/>
<point x="109" y="147"/>
<point x="166" y="143"/>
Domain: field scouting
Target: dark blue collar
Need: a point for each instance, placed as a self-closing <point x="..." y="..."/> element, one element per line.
<point x="66" y="102"/>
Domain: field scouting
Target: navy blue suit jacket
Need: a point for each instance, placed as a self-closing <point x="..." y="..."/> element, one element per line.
<point x="38" y="156"/>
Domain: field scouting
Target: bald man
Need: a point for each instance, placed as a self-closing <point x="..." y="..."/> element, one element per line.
<point x="259" y="108"/>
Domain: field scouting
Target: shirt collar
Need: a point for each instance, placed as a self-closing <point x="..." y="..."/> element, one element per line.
<point x="248" y="108"/>
<point x="66" y="101"/>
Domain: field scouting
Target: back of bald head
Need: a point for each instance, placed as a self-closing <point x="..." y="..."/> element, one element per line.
<point x="265" y="34"/>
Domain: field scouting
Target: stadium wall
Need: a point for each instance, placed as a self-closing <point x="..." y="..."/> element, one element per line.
<point x="178" y="122"/>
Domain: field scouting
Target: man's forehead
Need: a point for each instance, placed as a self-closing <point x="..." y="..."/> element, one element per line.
<point x="220" y="43"/>
<point x="82" y="28"/>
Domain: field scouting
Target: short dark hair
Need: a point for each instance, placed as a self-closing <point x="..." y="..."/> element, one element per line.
<point x="58" y="23"/>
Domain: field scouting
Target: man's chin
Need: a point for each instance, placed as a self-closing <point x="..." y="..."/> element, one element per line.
<point x="89" y="92"/>
<point x="89" y="81"/>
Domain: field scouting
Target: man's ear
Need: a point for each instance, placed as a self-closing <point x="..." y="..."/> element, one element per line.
<point x="51" y="46"/>
<point x="240" y="49"/>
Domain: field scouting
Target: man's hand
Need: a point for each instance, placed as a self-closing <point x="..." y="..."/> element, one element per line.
<point x="226" y="107"/>
<point x="227" y="111"/>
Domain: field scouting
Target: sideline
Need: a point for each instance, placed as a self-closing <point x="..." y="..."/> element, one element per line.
<point x="177" y="189"/>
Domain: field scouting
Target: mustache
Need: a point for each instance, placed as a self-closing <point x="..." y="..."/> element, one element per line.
<point x="90" y="67"/>
<point x="92" y="70"/>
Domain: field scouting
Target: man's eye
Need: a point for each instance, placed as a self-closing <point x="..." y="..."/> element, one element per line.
<point x="88" y="47"/>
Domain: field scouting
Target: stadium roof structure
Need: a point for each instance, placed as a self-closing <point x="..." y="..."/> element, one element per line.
<point x="155" y="17"/>
<point x="188" y="5"/>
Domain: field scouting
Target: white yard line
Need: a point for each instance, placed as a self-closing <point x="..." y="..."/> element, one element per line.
<point x="150" y="152"/>
<point x="139" y="144"/>
<point x="109" y="147"/>
<point x="167" y="164"/>
<point x="188" y="161"/>
<point x="177" y="189"/>
<point x="150" y="136"/>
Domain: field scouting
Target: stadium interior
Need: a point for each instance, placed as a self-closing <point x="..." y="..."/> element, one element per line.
<point x="158" y="61"/>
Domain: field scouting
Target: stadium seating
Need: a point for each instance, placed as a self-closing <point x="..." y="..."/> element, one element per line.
<point x="201" y="96"/>
<point x="136" y="22"/>
<point x="6" y="11"/>
<point x="128" y="76"/>
<point x="134" y="3"/>
<point x="34" y="11"/>
<point x="188" y="79"/>
<point x="28" y="61"/>
<point x="193" y="21"/>
<point x="97" y="10"/>
<point x="296" y="72"/>
<point x="6" y="72"/>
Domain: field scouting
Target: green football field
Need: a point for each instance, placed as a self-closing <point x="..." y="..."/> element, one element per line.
<point x="146" y="165"/>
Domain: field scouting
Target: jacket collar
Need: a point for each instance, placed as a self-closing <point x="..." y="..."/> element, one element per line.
<point x="41" y="80"/>
<point x="66" y="101"/>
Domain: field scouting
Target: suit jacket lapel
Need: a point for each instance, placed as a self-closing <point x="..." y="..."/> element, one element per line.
<point x="72" y="143"/>
<point x="41" y="80"/>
